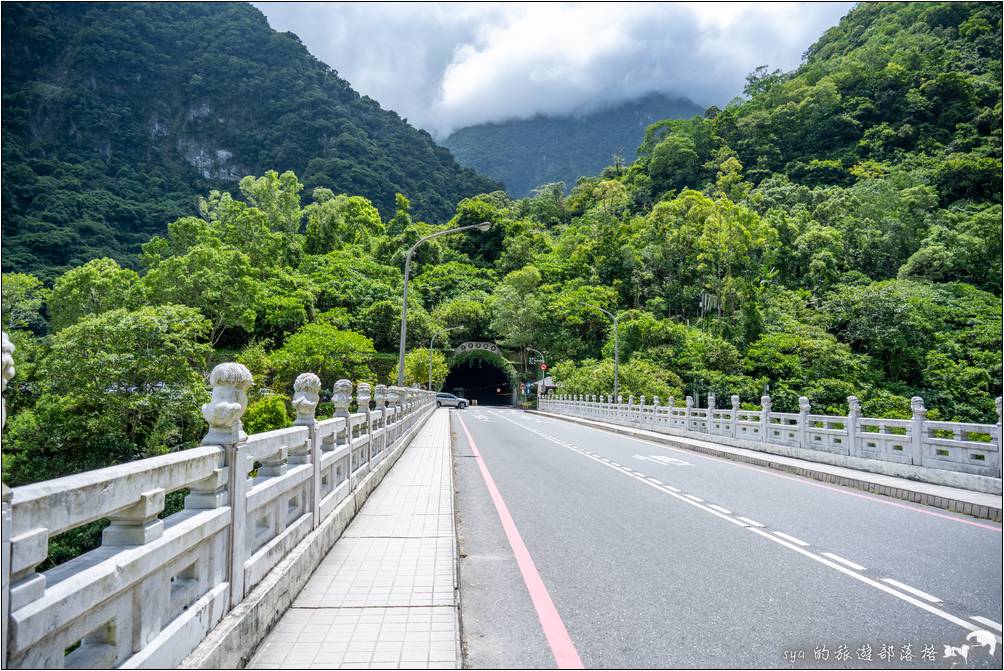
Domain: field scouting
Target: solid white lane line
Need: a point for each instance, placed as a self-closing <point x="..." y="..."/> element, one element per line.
<point x="987" y="621"/>
<point x="720" y="509"/>
<point x="794" y="540"/>
<point x="694" y="498"/>
<point x="845" y="562"/>
<point x="752" y="523"/>
<point x="912" y="590"/>
<point x="965" y="624"/>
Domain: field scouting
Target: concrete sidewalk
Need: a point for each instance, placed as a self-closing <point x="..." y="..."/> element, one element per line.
<point x="386" y="594"/>
<point x="977" y="504"/>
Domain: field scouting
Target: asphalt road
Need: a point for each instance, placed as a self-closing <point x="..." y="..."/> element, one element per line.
<point x="658" y="557"/>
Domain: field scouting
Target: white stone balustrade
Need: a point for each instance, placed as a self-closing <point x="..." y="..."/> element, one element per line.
<point x="958" y="447"/>
<point x="157" y="584"/>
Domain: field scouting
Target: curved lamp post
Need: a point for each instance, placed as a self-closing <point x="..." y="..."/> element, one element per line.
<point x="451" y="328"/>
<point x="616" y="345"/>
<point x="483" y="226"/>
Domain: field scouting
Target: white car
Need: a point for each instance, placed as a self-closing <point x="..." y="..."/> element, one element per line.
<point x="450" y="401"/>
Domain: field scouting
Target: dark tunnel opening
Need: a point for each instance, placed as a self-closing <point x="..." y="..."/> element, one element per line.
<point x="481" y="381"/>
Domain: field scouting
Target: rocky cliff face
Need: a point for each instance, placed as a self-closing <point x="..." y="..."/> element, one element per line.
<point x="116" y="117"/>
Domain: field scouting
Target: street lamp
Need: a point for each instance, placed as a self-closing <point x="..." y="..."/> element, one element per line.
<point x="452" y="328"/>
<point x="616" y="344"/>
<point x="483" y="226"/>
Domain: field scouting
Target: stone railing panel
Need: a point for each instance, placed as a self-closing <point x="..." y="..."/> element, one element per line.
<point x="954" y="446"/>
<point x="156" y="586"/>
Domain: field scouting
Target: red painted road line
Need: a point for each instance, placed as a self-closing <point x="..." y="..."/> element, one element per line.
<point x="565" y="654"/>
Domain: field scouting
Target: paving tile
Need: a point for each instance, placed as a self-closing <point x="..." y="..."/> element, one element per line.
<point x="384" y="597"/>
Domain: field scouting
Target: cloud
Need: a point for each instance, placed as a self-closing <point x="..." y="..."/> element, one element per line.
<point x="446" y="66"/>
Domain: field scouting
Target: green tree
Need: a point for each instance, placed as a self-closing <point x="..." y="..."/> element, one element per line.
<point x="216" y="280"/>
<point x="95" y="287"/>
<point x="325" y="350"/>
<point x="416" y="368"/>
<point x="114" y="387"/>
<point x="23" y="298"/>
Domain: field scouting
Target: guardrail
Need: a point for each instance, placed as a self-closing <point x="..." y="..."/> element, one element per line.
<point x="952" y="446"/>
<point x="157" y="584"/>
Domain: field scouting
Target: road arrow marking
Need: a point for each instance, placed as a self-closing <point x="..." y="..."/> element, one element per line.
<point x="660" y="459"/>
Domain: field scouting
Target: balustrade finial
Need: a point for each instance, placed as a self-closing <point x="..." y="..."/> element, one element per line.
<point x="735" y="401"/>
<point x="341" y="396"/>
<point x="803" y="405"/>
<point x="690" y="401"/>
<point x="230" y="382"/>
<point x="1000" y="408"/>
<point x="853" y="406"/>
<point x="380" y="396"/>
<point x="711" y="401"/>
<point x="306" y="396"/>
<point x="917" y="407"/>
<point x="765" y="402"/>
<point x="363" y="395"/>
<point x="655" y="400"/>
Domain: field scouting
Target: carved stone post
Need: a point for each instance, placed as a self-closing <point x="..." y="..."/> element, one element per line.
<point x="641" y="408"/>
<point x="230" y="382"/>
<point x="5" y="502"/>
<point x="655" y="411"/>
<point x="765" y="404"/>
<point x="735" y="415"/>
<point x="917" y="430"/>
<point x="689" y="408"/>
<point x="380" y="397"/>
<point x="306" y="396"/>
<point x="711" y="413"/>
<point x="363" y="402"/>
<point x="341" y="397"/>
<point x="853" y="413"/>
<point x="669" y="411"/>
<point x="803" y="420"/>
<point x="1000" y="436"/>
<point x="7" y="354"/>
<point x="397" y="402"/>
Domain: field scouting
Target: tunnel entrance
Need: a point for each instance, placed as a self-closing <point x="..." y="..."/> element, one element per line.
<point x="481" y="381"/>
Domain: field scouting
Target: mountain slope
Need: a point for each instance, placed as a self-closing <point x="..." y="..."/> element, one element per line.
<point x="116" y="116"/>
<point x="525" y="154"/>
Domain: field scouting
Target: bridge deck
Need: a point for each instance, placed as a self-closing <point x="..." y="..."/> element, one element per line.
<point x="385" y="596"/>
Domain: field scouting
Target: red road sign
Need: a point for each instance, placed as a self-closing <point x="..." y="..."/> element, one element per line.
<point x="543" y="366"/>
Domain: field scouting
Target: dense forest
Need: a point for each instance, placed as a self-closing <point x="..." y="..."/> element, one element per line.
<point x="835" y="231"/>
<point x="118" y="116"/>
<point x="523" y="154"/>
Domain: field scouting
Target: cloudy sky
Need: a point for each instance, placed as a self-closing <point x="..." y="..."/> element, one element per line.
<point x="446" y="66"/>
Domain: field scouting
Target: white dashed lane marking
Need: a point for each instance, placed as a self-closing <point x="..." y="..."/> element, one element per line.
<point x="829" y="559"/>
<point x="845" y="562"/>
<point x="987" y="622"/>
<point x="912" y="590"/>
<point x="796" y="541"/>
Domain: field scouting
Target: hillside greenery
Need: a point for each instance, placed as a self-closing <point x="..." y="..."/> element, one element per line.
<point x="117" y="117"/>
<point x="833" y="232"/>
<point x="526" y="153"/>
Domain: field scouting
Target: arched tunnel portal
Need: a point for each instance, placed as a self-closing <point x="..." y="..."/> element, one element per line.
<point x="482" y="376"/>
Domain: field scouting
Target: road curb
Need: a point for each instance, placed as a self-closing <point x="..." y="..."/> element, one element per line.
<point x="906" y="490"/>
